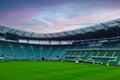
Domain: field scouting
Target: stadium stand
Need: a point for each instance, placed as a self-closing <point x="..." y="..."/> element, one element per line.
<point x="108" y="53"/>
<point x="98" y="44"/>
<point x="23" y="51"/>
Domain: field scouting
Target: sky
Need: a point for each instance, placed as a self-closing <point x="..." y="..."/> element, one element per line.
<point x="50" y="16"/>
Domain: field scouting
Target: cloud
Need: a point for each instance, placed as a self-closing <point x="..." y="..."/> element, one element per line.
<point x="47" y="16"/>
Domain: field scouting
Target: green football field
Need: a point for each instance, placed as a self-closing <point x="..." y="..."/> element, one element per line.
<point x="50" y="70"/>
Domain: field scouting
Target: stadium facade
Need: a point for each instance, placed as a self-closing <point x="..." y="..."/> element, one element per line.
<point x="97" y="44"/>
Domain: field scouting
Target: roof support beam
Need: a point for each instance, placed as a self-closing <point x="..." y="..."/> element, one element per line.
<point x="83" y="31"/>
<point x="2" y="28"/>
<point x="45" y="35"/>
<point x="105" y="26"/>
<point x="118" y="23"/>
<point x="93" y="28"/>
<point x="11" y="30"/>
<point x="57" y="34"/>
<point x="66" y="34"/>
<point x="31" y="34"/>
<point x="73" y="32"/>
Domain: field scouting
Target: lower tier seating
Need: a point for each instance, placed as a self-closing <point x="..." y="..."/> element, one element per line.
<point x="95" y="56"/>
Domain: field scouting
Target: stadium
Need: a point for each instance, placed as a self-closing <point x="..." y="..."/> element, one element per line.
<point x="91" y="52"/>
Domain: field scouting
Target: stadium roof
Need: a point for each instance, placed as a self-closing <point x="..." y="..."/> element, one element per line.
<point x="102" y="30"/>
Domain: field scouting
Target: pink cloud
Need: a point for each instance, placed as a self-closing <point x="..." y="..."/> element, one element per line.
<point x="17" y="19"/>
<point x="98" y="17"/>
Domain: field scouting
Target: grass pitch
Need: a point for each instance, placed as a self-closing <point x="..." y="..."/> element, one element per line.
<point x="49" y="70"/>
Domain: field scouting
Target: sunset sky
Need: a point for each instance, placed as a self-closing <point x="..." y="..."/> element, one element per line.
<point x="49" y="16"/>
